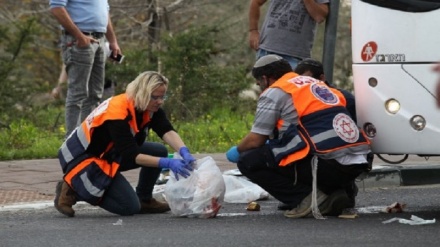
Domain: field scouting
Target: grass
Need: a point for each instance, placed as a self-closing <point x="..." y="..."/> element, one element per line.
<point x="215" y="132"/>
<point x="23" y="140"/>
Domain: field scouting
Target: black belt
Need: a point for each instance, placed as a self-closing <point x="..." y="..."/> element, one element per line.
<point x="96" y="35"/>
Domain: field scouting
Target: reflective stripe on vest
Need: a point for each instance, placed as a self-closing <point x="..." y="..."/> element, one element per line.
<point x="74" y="146"/>
<point x="292" y="142"/>
<point x="325" y="127"/>
<point x="91" y="177"/>
<point x="334" y="135"/>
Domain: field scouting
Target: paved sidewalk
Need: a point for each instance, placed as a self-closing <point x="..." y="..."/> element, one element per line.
<point x="34" y="180"/>
<point x="24" y="181"/>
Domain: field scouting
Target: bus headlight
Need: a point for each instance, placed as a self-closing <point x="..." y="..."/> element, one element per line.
<point x="392" y="106"/>
<point x="418" y="122"/>
<point x="370" y="130"/>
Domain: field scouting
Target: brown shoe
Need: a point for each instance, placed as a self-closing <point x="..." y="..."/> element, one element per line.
<point x="335" y="203"/>
<point x="154" y="207"/>
<point x="64" y="199"/>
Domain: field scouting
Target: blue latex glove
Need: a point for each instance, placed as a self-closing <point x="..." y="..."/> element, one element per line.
<point x="186" y="155"/>
<point x="233" y="155"/>
<point x="178" y="167"/>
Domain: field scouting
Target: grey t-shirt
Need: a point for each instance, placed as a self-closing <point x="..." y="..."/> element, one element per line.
<point x="288" y="29"/>
<point x="274" y="104"/>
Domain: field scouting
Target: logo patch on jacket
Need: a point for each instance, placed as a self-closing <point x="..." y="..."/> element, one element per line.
<point x="324" y="94"/>
<point x="345" y="128"/>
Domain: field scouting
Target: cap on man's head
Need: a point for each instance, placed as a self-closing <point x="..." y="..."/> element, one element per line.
<point x="268" y="59"/>
<point x="271" y="66"/>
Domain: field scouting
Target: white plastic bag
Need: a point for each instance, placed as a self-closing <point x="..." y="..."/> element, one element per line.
<point x="241" y="190"/>
<point x="199" y="195"/>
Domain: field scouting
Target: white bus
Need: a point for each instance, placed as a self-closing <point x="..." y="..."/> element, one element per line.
<point x="394" y="46"/>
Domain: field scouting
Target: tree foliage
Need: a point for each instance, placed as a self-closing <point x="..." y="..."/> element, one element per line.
<point x="13" y="40"/>
<point x="200" y="45"/>
<point x="198" y="82"/>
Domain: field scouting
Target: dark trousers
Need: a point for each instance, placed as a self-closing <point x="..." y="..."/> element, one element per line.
<point x="120" y="198"/>
<point x="292" y="183"/>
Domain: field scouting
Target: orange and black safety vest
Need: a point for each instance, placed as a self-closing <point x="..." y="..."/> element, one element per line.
<point x="324" y="126"/>
<point x="89" y="176"/>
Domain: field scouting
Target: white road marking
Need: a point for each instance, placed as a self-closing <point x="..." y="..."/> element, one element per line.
<point x="28" y="206"/>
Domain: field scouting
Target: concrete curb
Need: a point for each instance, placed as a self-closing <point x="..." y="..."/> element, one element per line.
<point x="400" y="175"/>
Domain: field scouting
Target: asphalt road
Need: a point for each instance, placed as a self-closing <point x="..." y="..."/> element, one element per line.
<point x="234" y="226"/>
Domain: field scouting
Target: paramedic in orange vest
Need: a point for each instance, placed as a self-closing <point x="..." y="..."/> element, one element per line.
<point x="315" y="69"/>
<point x="112" y="140"/>
<point x="302" y="137"/>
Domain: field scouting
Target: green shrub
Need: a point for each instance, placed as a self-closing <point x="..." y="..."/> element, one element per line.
<point x="198" y="80"/>
<point x="13" y="39"/>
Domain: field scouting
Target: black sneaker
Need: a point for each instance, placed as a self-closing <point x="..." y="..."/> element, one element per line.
<point x="153" y="206"/>
<point x="352" y="191"/>
<point x="335" y="203"/>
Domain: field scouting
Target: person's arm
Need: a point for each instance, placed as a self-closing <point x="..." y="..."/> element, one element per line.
<point x="261" y="126"/>
<point x="178" y="166"/>
<point x="118" y="131"/>
<point x="111" y="38"/>
<point x="267" y="115"/>
<point x="64" y="19"/>
<point x="173" y="139"/>
<point x="147" y="160"/>
<point x="251" y="141"/>
<point x="318" y="11"/>
<point x="62" y="79"/>
<point x="125" y="145"/>
<point x="254" y="19"/>
<point x="164" y="129"/>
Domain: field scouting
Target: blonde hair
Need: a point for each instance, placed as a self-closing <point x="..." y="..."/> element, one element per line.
<point x="140" y="89"/>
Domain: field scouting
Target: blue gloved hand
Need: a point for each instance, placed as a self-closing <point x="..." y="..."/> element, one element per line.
<point x="233" y="155"/>
<point x="178" y="167"/>
<point x="186" y="155"/>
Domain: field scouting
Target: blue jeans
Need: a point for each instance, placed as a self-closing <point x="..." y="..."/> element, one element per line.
<point x="120" y="198"/>
<point x="85" y="69"/>
<point x="293" y="61"/>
